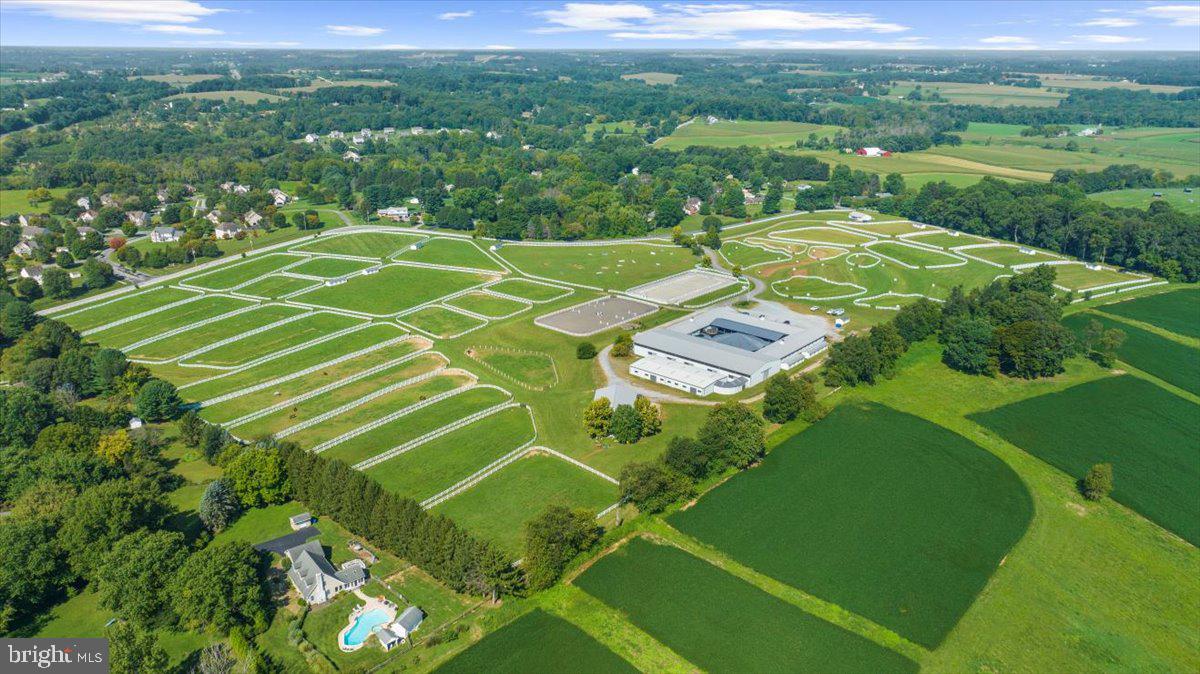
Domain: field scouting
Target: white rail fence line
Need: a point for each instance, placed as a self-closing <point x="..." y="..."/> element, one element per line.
<point x="479" y="475"/>
<point x="130" y="319"/>
<point x="249" y="333"/>
<point x="126" y="296"/>
<point x="359" y="402"/>
<point x="578" y="463"/>
<point x="433" y="435"/>
<point x="1119" y="290"/>
<point x="191" y="326"/>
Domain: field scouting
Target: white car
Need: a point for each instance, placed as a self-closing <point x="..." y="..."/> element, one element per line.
<point x="814" y="308"/>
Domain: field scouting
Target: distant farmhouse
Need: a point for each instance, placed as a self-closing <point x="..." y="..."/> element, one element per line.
<point x="724" y="350"/>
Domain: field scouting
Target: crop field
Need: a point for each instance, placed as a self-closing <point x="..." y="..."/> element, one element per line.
<point x="902" y="521"/>
<point x="749" y="255"/>
<point x="1167" y="359"/>
<point x="1177" y="311"/>
<point x="1065" y="81"/>
<point x="128" y="305"/>
<point x="416" y="424"/>
<point x="1188" y="202"/>
<point x="727" y="133"/>
<point x="498" y="507"/>
<point x="529" y="290"/>
<point x="441" y="322"/>
<point x="236" y="274"/>
<point x="329" y="267"/>
<point x="688" y="605"/>
<point x="615" y="267"/>
<point x="242" y="96"/>
<point x="1010" y="255"/>
<point x="391" y="290"/>
<point x="452" y="252"/>
<point x="174" y="346"/>
<point x="376" y="245"/>
<point x="294" y="333"/>
<point x="1165" y="148"/>
<point x="168" y="319"/>
<point x="1147" y="433"/>
<point x="427" y="469"/>
<point x="274" y="287"/>
<point x="966" y="93"/>
<point x="487" y="305"/>
<point x="652" y="77"/>
<point x="538" y="643"/>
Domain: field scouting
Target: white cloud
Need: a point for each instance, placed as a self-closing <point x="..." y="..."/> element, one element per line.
<point x="118" y="11"/>
<point x="1111" y="23"/>
<point x="182" y="30"/>
<point x="904" y="43"/>
<point x="1006" y="39"/>
<point x="593" y="16"/>
<point x="1109" y="39"/>
<point x="354" y="31"/>
<point x="450" y="16"/>
<point x="1178" y="15"/>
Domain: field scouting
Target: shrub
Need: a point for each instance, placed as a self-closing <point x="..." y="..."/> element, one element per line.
<point x="1098" y="483"/>
<point x="585" y="351"/>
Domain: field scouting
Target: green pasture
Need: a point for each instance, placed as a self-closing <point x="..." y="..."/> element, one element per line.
<point x="529" y="290"/>
<point x="242" y="96"/>
<point x="128" y="305"/>
<point x="968" y="93"/>
<point x="613" y="267"/>
<point x="176" y="79"/>
<point x="329" y="267"/>
<point x="274" y="287"/>
<point x="1148" y="434"/>
<point x="727" y="133"/>
<point x="722" y="623"/>
<point x="487" y="305"/>
<point x="901" y="520"/>
<point x="652" y="77"/>
<point x="17" y="201"/>
<point x="748" y="255"/>
<point x="168" y="319"/>
<point x="918" y="257"/>
<point x="537" y="643"/>
<point x="947" y="239"/>
<point x="498" y="507"/>
<point x="887" y="227"/>
<point x="416" y="424"/>
<point x="1177" y="311"/>
<point x="438" y="464"/>
<point x="239" y="352"/>
<point x="300" y="360"/>
<point x="1079" y="278"/>
<point x="815" y="288"/>
<point x="1175" y="363"/>
<point x="230" y="275"/>
<point x="377" y="245"/>
<point x="1008" y="255"/>
<point x="822" y="235"/>
<point x="930" y="161"/>
<point x="714" y="295"/>
<point x="441" y="322"/>
<point x="391" y="290"/>
<point x="918" y="179"/>
<point x="1188" y="202"/>
<point x="169" y="348"/>
<point x="533" y="370"/>
<point x="453" y="252"/>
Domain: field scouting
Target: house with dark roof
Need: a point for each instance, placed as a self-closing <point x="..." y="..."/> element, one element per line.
<point x="316" y="579"/>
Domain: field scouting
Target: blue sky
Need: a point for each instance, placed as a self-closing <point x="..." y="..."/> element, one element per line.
<point x="1080" y="25"/>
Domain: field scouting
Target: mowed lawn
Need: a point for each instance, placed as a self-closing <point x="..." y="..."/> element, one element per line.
<point x="169" y="319"/>
<point x="377" y="245"/>
<point x="720" y="622"/>
<point x="1010" y="255"/>
<point x="498" y="507"/>
<point x="616" y="266"/>
<point x="1177" y="311"/>
<point x="427" y="469"/>
<point x="746" y="255"/>
<point x="189" y="340"/>
<point x="128" y="305"/>
<point x="286" y="336"/>
<point x="453" y="252"/>
<point x="442" y="322"/>
<point x="329" y="267"/>
<point x="537" y="643"/>
<point x="533" y="370"/>
<point x="1150" y="436"/>
<point x="918" y="257"/>
<point x="274" y="287"/>
<point x="529" y="290"/>
<point x="391" y="289"/>
<point x="238" y="273"/>
<point x="1079" y="278"/>
<point x="1174" y="363"/>
<point x="487" y="305"/>
<point x="883" y="513"/>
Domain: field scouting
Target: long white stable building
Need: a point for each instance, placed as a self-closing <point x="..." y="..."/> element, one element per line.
<point x="724" y="350"/>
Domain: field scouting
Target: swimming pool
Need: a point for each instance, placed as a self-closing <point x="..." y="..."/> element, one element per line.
<point x="364" y="625"/>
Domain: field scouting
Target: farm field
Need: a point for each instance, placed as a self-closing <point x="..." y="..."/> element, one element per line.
<point x="238" y="273"/>
<point x="128" y="305"/>
<point x="323" y="83"/>
<point x="17" y="201"/>
<point x="427" y="469"/>
<point x="748" y="255"/>
<point x="537" y="643"/>
<point x="910" y="556"/>
<point x="918" y="257"/>
<point x="613" y="267"/>
<point x="1188" y="202"/>
<point x="726" y="133"/>
<point x="533" y="370"/>
<point x="1064" y="81"/>
<point x="487" y="305"/>
<point x="275" y="287"/>
<point x="329" y="267"/>
<point x="652" y="77"/>
<point x="1169" y="360"/>
<point x="683" y="601"/>
<point x="1177" y="311"/>
<point x="1170" y="149"/>
<point x="966" y="93"/>
<point x="376" y="245"/>
<point x="498" y="507"/>
<point x="1146" y="432"/>
<point x="176" y="79"/>
<point x="1079" y="278"/>
<point x="169" y="319"/>
<point x="391" y="290"/>
<point x="529" y="290"/>
<point x="241" y="96"/>
<point x="929" y="162"/>
<point x="291" y="334"/>
<point x="453" y="252"/>
<point x="174" y="346"/>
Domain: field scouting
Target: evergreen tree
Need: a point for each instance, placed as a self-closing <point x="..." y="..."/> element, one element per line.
<point x="219" y="505"/>
<point x="157" y="400"/>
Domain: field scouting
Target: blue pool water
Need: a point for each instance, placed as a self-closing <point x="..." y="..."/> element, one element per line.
<point x="364" y="625"/>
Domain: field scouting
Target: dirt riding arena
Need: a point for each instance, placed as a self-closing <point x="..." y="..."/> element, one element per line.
<point x="596" y="315"/>
<point x="681" y="287"/>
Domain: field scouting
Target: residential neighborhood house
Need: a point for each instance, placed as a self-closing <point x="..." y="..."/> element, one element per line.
<point x="315" y="578"/>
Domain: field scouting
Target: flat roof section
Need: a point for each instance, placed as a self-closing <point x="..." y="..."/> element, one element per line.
<point x="685" y="374"/>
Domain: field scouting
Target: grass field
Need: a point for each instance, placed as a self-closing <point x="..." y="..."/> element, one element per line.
<point x="946" y="239"/>
<point x="745" y="255"/>
<point x="932" y="162"/>
<point x="124" y="307"/>
<point x="652" y="77"/>
<point x="416" y="424"/>
<point x="1146" y="432"/>
<point x="169" y="348"/>
<point x="819" y="235"/>
<point x="453" y="252"/>
<point x="806" y="287"/>
<point x="288" y="335"/>
<point x="966" y="93"/>
<point x="329" y="267"/>
<point x="169" y="319"/>
<point x="1010" y="255"/>
<point x="322" y="83"/>
<point x="274" y="287"/>
<point x="438" y="464"/>
<point x="441" y="322"/>
<point x="529" y="290"/>
<point x="736" y="133"/>
<point x="377" y="245"/>
<point x="537" y="643"/>
<point x="1165" y="148"/>
<point x="17" y="201"/>
<point x="498" y="507"/>
<point x="1171" y="361"/>
<point x="614" y="267"/>
<point x="533" y="370"/>
<point x="1177" y="311"/>
<point x="1079" y="278"/>
<point x="1188" y="202"/>
<point x="917" y="257"/>
<point x="722" y="623"/>
<point x="242" y="96"/>
<point x="902" y="521"/>
<point x="176" y="79"/>
<point x="391" y="290"/>
<point x="231" y="275"/>
<point x="1064" y="81"/>
<point x="487" y="305"/>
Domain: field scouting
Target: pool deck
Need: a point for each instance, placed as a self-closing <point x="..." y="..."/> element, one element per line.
<point x="369" y="604"/>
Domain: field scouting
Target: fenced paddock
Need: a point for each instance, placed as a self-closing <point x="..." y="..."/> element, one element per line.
<point x="596" y="315"/>
<point x="681" y="287"/>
